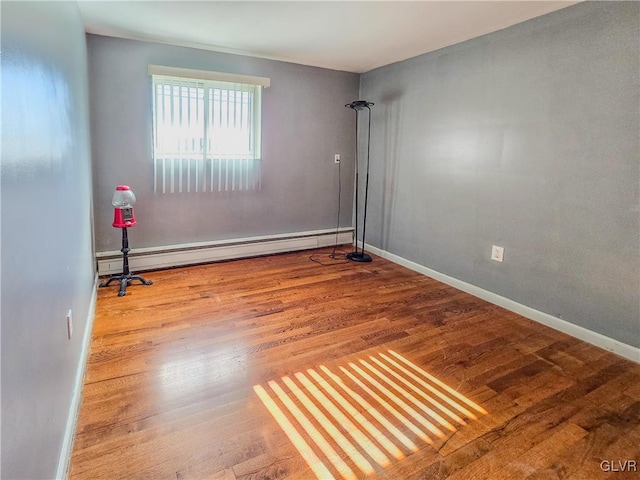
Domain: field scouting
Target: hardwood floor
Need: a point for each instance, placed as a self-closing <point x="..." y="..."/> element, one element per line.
<point x="279" y="367"/>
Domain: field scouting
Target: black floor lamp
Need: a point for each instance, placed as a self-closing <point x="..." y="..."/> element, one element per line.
<point x="360" y="256"/>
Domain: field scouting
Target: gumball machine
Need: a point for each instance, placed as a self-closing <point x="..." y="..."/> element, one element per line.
<point x="123" y="201"/>
<point x="123" y="218"/>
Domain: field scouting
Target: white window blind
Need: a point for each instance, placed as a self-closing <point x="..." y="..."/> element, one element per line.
<point x="206" y="131"/>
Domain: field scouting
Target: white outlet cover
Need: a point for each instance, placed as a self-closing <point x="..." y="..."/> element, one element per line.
<point x="70" y="324"/>
<point x="336" y="158"/>
<point x="497" y="253"/>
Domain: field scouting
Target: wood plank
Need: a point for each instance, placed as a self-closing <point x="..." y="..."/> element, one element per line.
<point x="169" y="391"/>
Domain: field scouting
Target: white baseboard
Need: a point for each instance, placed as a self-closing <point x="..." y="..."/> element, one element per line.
<point x="67" y="443"/>
<point x="193" y="253"/>
<point x="627" y="351"/>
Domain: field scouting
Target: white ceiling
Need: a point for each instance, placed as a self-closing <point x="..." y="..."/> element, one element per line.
<point x="354" y="36"/>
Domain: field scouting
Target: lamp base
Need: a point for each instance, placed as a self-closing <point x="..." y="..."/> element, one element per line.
<point x="360" y="257"/>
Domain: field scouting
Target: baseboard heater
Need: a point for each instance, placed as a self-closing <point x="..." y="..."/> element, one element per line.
<point x="153" y="258"/>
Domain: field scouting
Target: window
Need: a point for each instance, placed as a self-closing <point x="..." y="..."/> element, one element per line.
<point x="206" y="130"/>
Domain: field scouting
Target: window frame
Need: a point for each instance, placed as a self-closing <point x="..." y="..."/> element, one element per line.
<point x="208" y="82"/>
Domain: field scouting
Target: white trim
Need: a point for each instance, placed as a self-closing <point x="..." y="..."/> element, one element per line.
<point x="624" y="350"/>
<point x="208" y="75"/>
<point x="151" y="258"/>
<point x="74" y="409"/>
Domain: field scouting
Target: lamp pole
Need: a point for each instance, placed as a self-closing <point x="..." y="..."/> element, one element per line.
<point x="360" y="256"/>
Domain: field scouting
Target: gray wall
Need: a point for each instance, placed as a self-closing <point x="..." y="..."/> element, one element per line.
<point x="527" y="138"/>
<point x="47" y="257"/>
<point x="304" y="124"/>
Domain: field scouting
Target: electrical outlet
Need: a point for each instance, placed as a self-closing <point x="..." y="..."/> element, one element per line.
<point x="336" y="158"/>
<point x="69" y="324"/>
<point x="497" y="253"/>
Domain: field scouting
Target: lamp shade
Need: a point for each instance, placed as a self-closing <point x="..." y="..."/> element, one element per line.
<point x="359" y="104"/>
<point x="123" y="197"/>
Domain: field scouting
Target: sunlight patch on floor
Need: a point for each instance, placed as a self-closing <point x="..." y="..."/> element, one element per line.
<point x="370" y="414"/>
